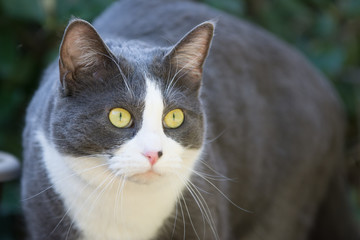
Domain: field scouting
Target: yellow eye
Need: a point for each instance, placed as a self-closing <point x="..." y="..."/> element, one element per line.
<point x="120" y="118"/>
<point x="174" y="118"/>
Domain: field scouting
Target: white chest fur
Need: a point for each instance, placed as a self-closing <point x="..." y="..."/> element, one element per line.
<point x="114" y="209"/>
<point x="101" y="204"/>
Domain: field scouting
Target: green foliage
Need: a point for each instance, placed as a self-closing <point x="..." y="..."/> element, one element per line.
<point x="326" y="31"/>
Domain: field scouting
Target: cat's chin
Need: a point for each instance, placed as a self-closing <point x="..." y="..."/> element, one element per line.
<point x="145" y="178"/>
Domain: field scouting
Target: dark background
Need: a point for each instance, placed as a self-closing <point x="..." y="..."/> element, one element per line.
<point x="327" y="32"/>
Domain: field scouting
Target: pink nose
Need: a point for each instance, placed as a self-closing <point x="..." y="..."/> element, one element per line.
<point x="153" y="156"/>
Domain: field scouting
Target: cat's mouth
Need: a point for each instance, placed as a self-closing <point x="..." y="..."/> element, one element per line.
<point x="145" y="177"/>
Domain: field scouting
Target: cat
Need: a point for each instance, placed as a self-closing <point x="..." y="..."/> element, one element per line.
<point x="150" y="126"/>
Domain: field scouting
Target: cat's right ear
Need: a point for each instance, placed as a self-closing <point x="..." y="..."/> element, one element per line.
<point x="82" y="51"/>
<point x="189" y="54"/>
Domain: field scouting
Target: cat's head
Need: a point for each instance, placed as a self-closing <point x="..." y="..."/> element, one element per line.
<point x="132" y="107"/>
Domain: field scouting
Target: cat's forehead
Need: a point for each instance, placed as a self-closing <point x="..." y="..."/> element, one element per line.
<point x="138" y="59"/>
<point x="135" y="51"/>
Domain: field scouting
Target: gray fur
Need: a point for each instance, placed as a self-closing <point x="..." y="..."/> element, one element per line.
<point x="274" y="126"/>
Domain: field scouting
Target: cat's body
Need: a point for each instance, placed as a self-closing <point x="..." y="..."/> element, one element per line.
<point x="272" y="144"/>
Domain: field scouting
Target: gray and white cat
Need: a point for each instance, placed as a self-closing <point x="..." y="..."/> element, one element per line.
<point x="129" y="137"/>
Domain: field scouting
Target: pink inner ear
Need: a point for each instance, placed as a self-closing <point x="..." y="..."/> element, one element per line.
<point x="190" y="53"/>
<point x="81" y="46"/>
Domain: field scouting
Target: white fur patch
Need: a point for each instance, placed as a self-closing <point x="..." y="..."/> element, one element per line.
<point x="105" y="206"/>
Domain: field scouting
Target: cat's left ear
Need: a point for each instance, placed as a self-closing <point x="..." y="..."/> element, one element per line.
<point x="82" y="52"/>
<point x="189" y="54"/>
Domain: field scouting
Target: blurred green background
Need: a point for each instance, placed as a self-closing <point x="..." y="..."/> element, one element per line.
<point x="326" y="31"/>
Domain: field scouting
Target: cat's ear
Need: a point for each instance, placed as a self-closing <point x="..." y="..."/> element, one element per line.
<point x="82" y="50"/>
<point x="189" y="54"/>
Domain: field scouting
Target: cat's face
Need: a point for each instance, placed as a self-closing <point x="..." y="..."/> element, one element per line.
<point x="129" y="107"/>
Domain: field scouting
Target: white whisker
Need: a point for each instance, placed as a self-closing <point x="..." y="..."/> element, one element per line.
<point x="64" y="178"/>
<point x="188" y="212"/>
<point x="175" y="219"/>
<point x="205" y="207"/>
<point x="216" y="137"/>
<point x="78" y="211"/>
<point x="201" y="203"/>
<point x="183" y="217"/>
<point x="219" y="191"/>
<point x="115" y="61"/>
